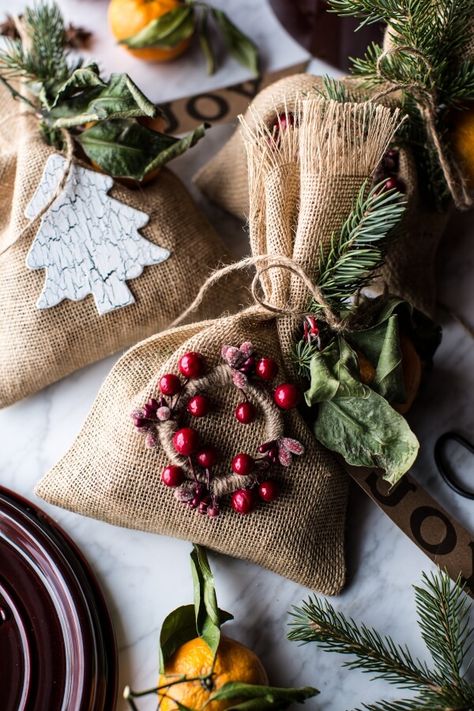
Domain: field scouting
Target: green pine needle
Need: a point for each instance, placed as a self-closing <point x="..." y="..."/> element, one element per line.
<point x="443" y="612"/>
<point x="44" y="60"/>
<point x="361" y="245"/>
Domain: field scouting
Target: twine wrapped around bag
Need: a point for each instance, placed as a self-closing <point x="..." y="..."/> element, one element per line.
<point x="301" y="189"/>
<point x="40" y="346"/>
<point x="410" y="268"/>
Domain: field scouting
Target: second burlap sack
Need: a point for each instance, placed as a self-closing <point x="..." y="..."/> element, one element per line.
<point x="410" y="267"/>
<point x="38" y="346"/>
<point x="301" y="191"/>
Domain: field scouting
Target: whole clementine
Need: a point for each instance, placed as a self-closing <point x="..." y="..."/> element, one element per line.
<point x="128" y="17"/>
<point x="234" y="662"/>
<point x="463" y="141"/>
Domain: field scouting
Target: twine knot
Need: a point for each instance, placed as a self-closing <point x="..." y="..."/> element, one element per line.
<point x="427" y="105"/>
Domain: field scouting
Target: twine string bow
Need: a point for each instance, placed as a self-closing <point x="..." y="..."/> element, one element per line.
<point x="263" y="263"/>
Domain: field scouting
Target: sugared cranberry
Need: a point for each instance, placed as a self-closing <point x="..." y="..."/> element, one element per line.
<point x="139" y="421"/>
<point x="203" y="507"/>
<point x="286" y="396"/>
<point x="186" y="441"/>
<point x="245" y="412"/>
<point x="243" y="501"/>
<point x="268" y="490"/>
<point x="170" y="384"/>
<point x="191" y="365"/>
<point x="213" y="510"/>
<point x="207" y="457"/>
<point x="172" y="475"/>
<point x="150" y="408"/>
<point x="243" y="464"/>
<point x="266" y="368"/>
<point x="198" y="406"/>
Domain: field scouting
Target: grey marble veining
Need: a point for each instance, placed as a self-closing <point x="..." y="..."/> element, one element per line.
<point x="145" y="576"/>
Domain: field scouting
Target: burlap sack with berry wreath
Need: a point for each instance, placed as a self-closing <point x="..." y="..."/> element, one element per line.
<point x="80" y="308"/>
<point x="196" y="430"/>
<point x="410" y="267"/>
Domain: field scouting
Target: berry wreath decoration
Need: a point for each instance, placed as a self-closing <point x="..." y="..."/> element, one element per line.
<point x="196" y="471"/>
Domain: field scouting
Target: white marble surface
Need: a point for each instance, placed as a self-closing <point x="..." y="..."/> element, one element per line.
<point x="145" y="576"/>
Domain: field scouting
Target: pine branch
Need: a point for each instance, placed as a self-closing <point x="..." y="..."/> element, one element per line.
<point x="360" y="246"/>
<point x="302" y="356"/>
<point x="443" y="612"/>
<point x="443" y="619"/>
<point x="318" y="621"/>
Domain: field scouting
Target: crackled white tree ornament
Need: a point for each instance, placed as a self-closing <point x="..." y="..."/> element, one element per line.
<point x="87" y="241"/>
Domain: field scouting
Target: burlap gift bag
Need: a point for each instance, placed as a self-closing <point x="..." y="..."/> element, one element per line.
<point x="301" y="192"/>
<point x="41" y="345"/>
<point x="410" y="267"/>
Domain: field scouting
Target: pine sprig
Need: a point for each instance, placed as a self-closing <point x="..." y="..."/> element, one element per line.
<point x="44" y="58"/>
<point x="360" y="247"/>
<point x="444" y="626"/>
<point x="443" y="612"/>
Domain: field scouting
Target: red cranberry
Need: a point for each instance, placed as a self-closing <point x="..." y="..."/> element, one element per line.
<point x="242" y="501"/>
<point x="170" y="384"/>
<point x="185" y="441"/>
<point x="393" y="184"/>
<point x="242" y="464"/>
<point x="285" y="120"/>
<point x="248" y="365"/>
<point x="191" y="365"/>
<point x="172" y="475"/>
<point x="245" y="412"/>
<point x="267" y="368"/>
<point x="286" y="396"/>
<point x="198" y="406"/>
<point x="207" y="457"/>
<point x="268" y="490"/>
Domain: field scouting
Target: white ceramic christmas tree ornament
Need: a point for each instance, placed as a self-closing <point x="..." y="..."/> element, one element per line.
<point x="87" y="241"/>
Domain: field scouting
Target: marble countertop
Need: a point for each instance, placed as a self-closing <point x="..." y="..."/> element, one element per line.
<point x="145" y="576"/>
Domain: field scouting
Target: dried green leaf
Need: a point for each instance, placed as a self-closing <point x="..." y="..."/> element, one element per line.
<point x="120" y="98"/>
<point x="177" y="629"/>
<point x="255" y="697"/>
<point x="205" y="42"/>
<point x="238" y="44"/>
<point x="166" y="31"/>
<point x="124" y="148"/>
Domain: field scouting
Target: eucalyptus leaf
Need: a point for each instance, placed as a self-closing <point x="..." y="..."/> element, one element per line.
<point x="165" y="31"/>
<point x="255" y="696"/>
<point x="239" y="45"/>
<point x="177" y="629"/>
<point x="367" y="431"/>
<point x="120" y="98"/>
<point x="124" y="148"/>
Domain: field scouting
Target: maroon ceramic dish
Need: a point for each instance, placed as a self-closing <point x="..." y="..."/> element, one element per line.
<point x="57" y="646"/>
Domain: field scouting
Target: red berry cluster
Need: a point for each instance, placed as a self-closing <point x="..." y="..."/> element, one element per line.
<point x="388" y="172"/>
<point x="282" y="122"/>
<point x="193" y="481"/>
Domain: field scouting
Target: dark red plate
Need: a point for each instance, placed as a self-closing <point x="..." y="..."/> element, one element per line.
<point x="57" y="646"/>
